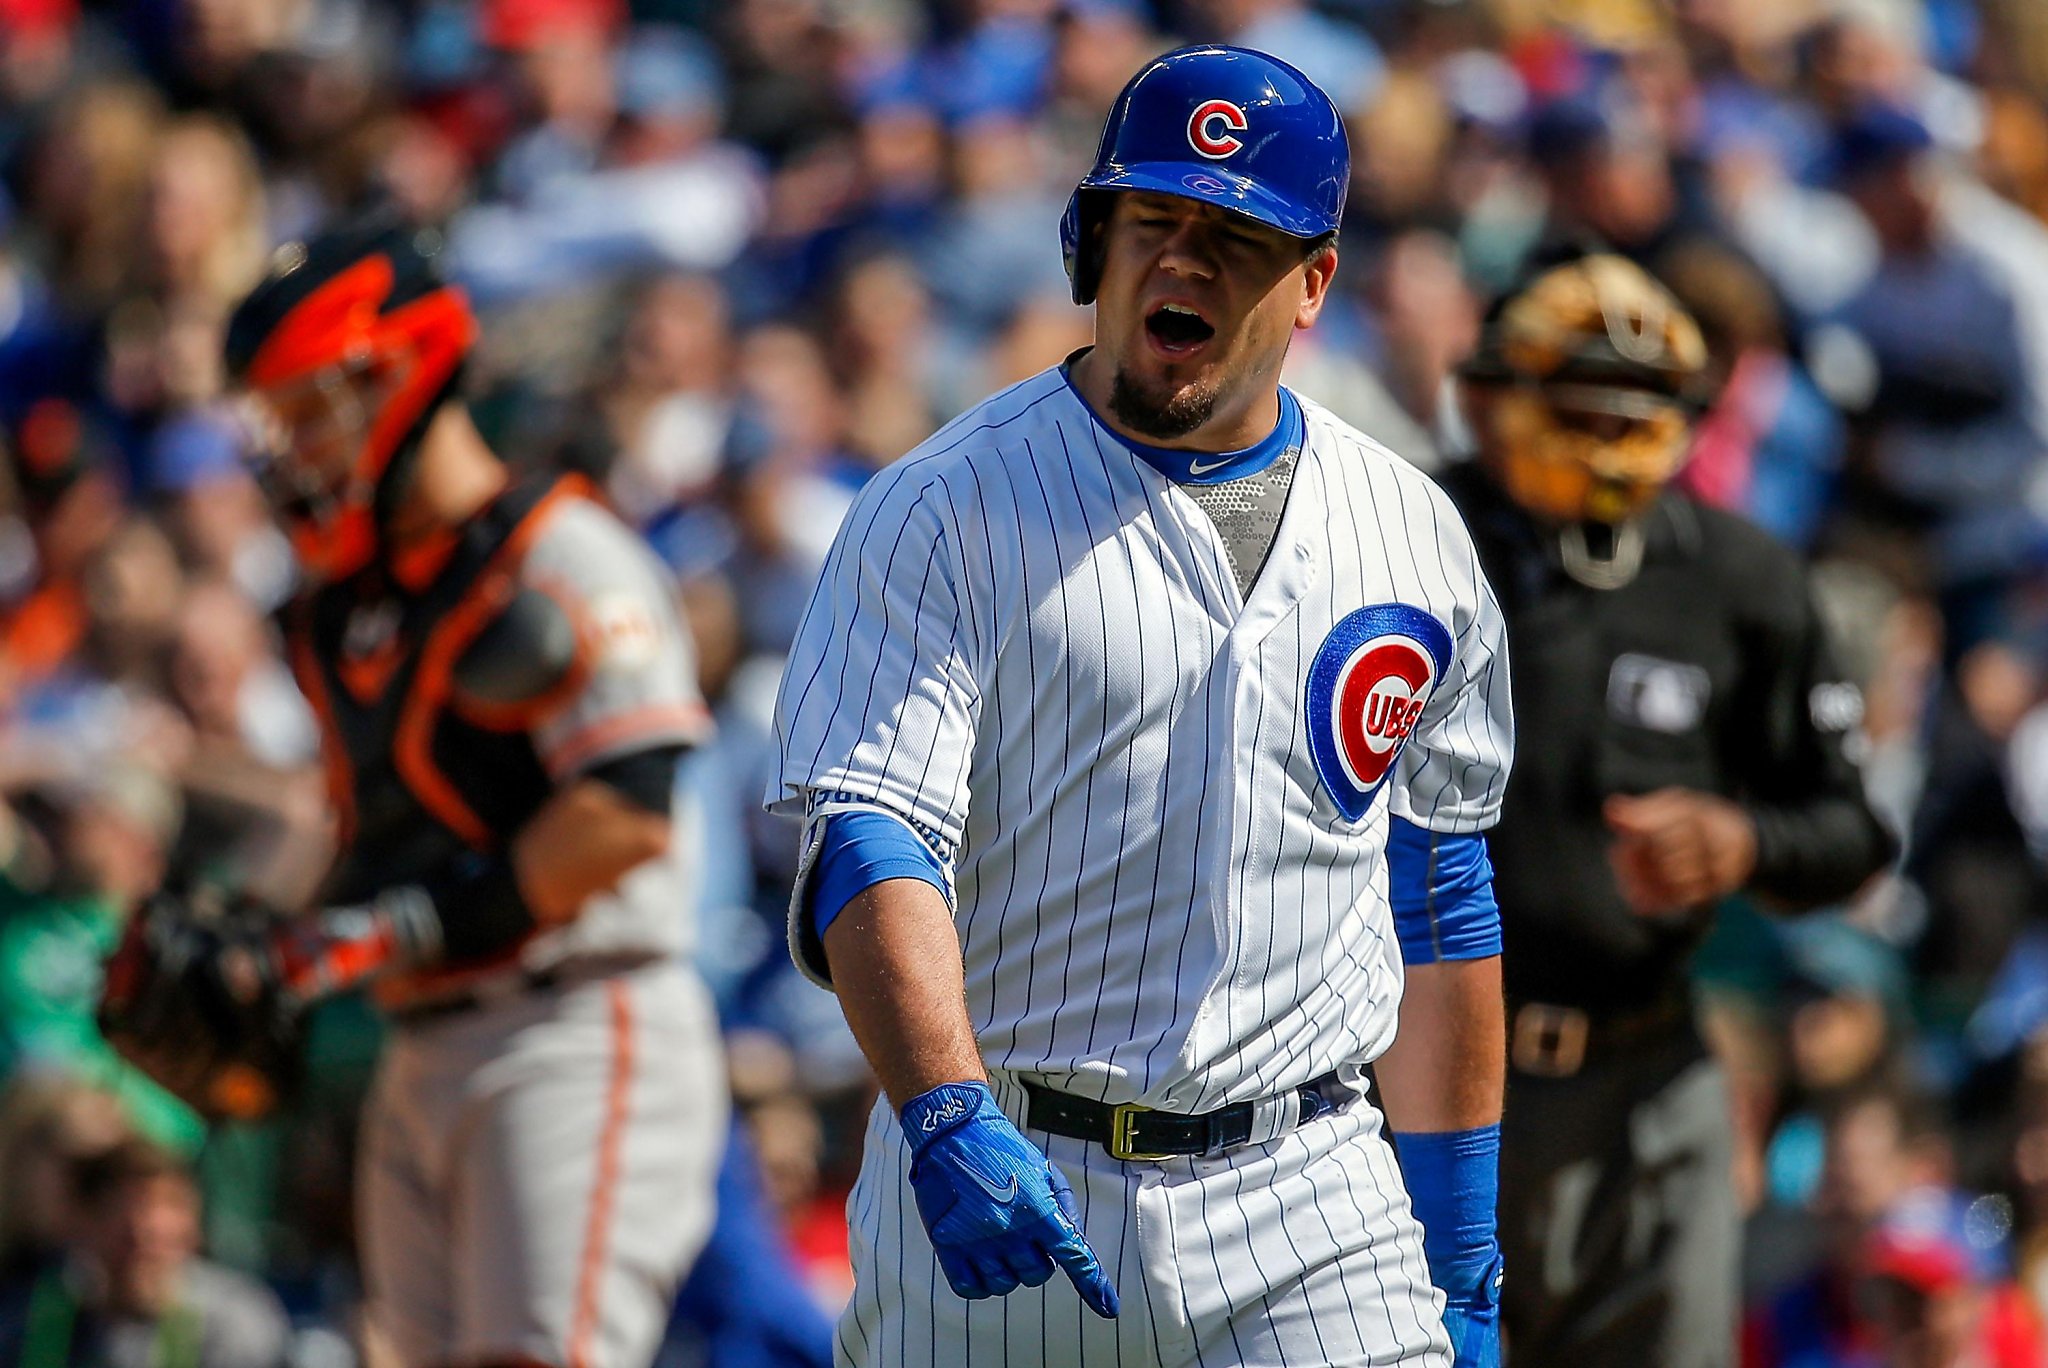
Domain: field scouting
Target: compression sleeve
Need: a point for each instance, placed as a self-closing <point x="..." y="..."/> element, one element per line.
<point x="1453" y="1179"/>
<point x="1441" y="887"/>
<point x="859" y="850"/>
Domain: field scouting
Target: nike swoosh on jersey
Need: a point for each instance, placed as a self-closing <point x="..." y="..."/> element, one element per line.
<point x="1198" y="468"/>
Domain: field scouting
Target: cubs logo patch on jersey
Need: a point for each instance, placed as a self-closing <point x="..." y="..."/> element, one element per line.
<point x="1367" y="687"/>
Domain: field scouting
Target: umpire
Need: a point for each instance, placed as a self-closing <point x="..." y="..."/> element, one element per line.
<point x="1682" y="740"/>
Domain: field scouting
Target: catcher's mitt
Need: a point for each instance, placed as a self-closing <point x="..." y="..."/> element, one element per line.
<point x="191" y="999"/>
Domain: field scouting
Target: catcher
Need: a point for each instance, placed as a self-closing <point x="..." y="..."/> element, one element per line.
<point x="505" y="691"/>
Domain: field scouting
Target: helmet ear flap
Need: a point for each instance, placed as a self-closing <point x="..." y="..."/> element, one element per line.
<point x="1081" y="242"/>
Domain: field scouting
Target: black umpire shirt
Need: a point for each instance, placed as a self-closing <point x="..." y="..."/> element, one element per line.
<point x="1708" y="671"/>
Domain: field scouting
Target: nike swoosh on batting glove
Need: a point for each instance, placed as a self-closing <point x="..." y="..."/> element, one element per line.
<point x="1000" y="1216"/>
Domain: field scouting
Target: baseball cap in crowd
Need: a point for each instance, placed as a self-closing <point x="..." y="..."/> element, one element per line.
<point x="1828" y="956"/>
<point x="693" y="541"/>
<point x="750" y="441"/>
<point x="1936" y="1239"/>
<point x="1483" y="88"/>
<point x="1735" y="116"/>
<point x="442" y="49"/>
<point x="518" y="25"/>
<point x="1876" y="138"/>
<point x="665" y="72"/>
<point x="1000" y="70"/>
<point x="36" y="17"/>
<point x="49" y="451"/>
<point x="1566" y="131"/>
<point x="2015" y="1005"/>
<point x="1927" y="1264"/>
<point x="882" y="86"/>
<point x="1132" y="11"/>
<point x="194" y="450"/>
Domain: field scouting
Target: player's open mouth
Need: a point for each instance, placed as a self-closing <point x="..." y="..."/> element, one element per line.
<point x="1177" y="329"/>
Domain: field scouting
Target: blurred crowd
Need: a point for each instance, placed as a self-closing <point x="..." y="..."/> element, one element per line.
<point x="734" y="255"/>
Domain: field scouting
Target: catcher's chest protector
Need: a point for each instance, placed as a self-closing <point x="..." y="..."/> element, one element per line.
<point x="417" y="776"/>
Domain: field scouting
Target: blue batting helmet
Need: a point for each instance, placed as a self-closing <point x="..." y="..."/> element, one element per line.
<point x="1231" y="127"/>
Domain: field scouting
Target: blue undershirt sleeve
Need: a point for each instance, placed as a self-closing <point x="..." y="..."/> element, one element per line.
<point x="859" y="850"/>
<point x="1441" y="886"/>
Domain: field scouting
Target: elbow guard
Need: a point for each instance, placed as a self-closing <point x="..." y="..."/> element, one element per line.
<point x="526" y="660"/>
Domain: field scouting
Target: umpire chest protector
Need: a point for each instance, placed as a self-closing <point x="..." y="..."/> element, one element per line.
<point x="1708" y="671"/>
<point x="425" y="696"/>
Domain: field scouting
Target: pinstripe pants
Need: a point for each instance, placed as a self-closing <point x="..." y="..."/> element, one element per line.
<point x="1301" y="1252"/>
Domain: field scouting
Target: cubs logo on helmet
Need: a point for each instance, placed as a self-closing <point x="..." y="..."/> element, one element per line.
<point x="1209" y="129"/>
<point x="1368" y="685"/>
<point x="1231" y="127"/>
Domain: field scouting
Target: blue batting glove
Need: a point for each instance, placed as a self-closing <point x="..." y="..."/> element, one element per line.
<point x="1472" y="1319"/>
<point x="1000" y="1216"/>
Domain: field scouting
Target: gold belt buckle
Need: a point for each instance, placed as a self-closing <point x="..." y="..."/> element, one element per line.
<point x="1550" y="1041"/>
<point x="1123" y="1126"/>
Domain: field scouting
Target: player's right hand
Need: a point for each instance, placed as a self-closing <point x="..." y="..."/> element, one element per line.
<point x="1000" y="1216"/>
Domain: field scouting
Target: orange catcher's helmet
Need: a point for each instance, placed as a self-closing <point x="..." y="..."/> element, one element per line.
<point x="346" y="349"/>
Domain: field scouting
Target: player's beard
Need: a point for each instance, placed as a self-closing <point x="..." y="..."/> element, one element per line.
<point x="1159" y="412"/>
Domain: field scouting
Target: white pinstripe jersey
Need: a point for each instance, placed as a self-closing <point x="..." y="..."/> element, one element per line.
<point x="1166" y="802"/>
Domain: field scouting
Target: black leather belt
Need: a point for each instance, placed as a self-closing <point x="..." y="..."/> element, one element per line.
<point x="501" y="988"/>
<point x="1129" y="1131"/>
<point x="1553" y="1041"/>
<point x="472" y="999"/>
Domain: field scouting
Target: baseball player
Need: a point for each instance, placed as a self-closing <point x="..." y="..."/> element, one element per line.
<point x="1144" y="715"/>
<point x="505" y="691"/>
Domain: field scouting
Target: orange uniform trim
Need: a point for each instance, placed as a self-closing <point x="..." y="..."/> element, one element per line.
<point x="524" y="716"/>
<point x="413" y="749"/>
<point x="604" y="1191"/>
<point x="334" y="762"/>
<point x="658" y="719"/>
<point x="416" y="565"/>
